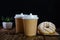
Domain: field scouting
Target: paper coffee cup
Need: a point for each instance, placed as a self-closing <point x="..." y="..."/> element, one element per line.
<point x="19" y="23"/>
<point x="30" y="24"/>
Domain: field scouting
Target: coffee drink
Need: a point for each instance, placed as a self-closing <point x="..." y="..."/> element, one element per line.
<point x="19" y="23"/>
<point x="30" y="25"/>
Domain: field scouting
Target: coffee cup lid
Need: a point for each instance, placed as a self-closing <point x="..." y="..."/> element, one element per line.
<point x="30" y="16"/>
<point x="19" y="15"/>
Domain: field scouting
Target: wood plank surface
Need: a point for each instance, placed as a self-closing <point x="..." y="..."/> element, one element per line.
<point x="11" y="35"/>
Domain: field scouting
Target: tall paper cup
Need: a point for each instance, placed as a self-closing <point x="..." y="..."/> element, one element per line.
<point x="19" y="23"/>
<point x="30" y="25"/>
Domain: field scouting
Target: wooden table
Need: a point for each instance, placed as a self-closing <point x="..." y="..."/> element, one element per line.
<point x="11" y="35"/>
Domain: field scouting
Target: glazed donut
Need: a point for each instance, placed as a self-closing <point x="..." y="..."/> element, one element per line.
<point x="46" y="28"/>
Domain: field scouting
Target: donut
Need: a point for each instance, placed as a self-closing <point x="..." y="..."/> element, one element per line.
<point x="46" y="28"/>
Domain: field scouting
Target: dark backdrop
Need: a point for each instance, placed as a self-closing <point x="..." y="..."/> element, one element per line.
<point x="47" y="10"/>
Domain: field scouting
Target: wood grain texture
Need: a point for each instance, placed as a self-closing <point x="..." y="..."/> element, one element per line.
<point x="11" y="35"/>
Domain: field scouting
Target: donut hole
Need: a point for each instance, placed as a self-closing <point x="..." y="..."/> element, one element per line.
<point x="47" y="26"/>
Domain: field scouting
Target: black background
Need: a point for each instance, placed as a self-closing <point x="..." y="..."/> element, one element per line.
<point x="47" y="10"/>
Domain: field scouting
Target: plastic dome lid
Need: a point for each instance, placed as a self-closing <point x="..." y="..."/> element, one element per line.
<point x="19" y="15"/>
<point x="31" y="16"/>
